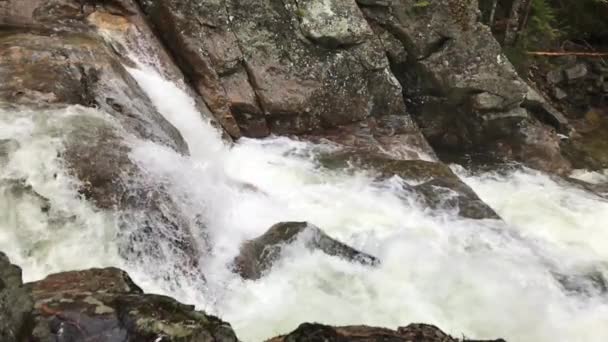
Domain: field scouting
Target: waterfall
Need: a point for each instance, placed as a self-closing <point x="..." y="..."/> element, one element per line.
<point x="538" y="276"/>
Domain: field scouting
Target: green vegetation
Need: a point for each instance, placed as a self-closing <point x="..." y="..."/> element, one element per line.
<point x="547" y="25"/>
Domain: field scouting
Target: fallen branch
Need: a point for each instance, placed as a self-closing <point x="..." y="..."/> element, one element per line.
<point x="557" y="54"/>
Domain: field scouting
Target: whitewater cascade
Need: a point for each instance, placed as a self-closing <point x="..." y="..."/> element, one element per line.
<point x="538" y="276"/>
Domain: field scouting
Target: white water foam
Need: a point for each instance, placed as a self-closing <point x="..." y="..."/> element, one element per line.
<point x="478" y="278"/>
<point x="593" y="177"/>
<point x="55" y="239"/>
<point x="483" y="279"/>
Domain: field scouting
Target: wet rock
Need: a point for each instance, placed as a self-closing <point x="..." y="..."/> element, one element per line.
<point x="295" y="67"/>
<point x="152" y="225"/>
<point x="453" y="193"/>
<point x="456" y="66"/>
<point x="555" y="76"/>
<point x="435" y="183"/>
<point x="257" y="256"/>
<point x="559" y="94"/>
<point x="393" y="135"/>
<point x="78" y="69"/>
<point x="15" y="303"/>
<point x="309" y="332"/>
<point x="105" y="305"/>
<point x="64" y="66"/>
<point x="576" y="72"/>
<point x="589" y="281"/>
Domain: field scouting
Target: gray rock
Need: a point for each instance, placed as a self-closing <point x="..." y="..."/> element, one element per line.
<point x="15" y="303"/>
<point x="257" y="256"/>
<point x="576" y="72"/>
<point x="333" y="23"/>
<point x="456" y="66"/>
<point x="284" y="67"/>
<point x="559" y="93"/>
<point x="555" y="76"/>
<point x="486" y="101"/>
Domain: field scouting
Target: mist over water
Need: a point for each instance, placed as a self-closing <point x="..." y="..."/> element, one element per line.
<point x="537" y="276"/>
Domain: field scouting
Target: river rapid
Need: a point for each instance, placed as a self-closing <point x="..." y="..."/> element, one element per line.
<point x="539" y="275"/>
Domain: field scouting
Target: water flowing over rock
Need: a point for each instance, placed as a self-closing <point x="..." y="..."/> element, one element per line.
<point x="117" y="120"/>
<point x="284" y="67"/>
<point x="434" y="182"/>
<point x="257" y="256"/>
<point x="55" y="57"/>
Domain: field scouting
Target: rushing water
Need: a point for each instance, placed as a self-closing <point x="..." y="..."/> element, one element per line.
<point x="538" y="276"/>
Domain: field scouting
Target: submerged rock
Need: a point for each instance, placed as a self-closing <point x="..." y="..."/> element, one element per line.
<point x="7" y="147"/>
<point x="309" y="332"/>
<point x="258" y="255"/>
<point x="434" y="182"/>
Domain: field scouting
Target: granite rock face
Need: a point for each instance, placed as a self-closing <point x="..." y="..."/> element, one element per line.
<point x="287" y="67"/>
<point x="463" y="92"/>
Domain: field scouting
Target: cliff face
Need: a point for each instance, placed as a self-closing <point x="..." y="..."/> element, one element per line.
<point x="346" y="69"/>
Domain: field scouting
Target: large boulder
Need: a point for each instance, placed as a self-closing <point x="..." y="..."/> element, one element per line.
<point x="15" y="303"/>
<point x="309" y="332"/>
<point x="285" y="67"/>
<point x="99" y="305"/>
<point x="257" y="256"/>
<point x="464" y="93"/>
<point x="433" y="182"/>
